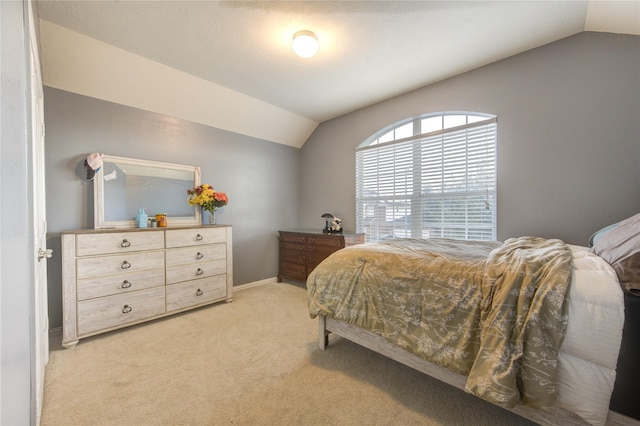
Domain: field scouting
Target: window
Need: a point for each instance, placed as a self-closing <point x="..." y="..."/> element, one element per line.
<point x="429" y="176"/>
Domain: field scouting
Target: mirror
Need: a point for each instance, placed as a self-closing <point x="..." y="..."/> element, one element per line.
<point x="123" y="186"/>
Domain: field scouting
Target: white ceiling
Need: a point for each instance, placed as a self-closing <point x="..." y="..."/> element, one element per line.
<point x="370" y="50"/>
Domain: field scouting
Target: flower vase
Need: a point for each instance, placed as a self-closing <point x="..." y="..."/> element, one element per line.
<point x="212" y="217"/>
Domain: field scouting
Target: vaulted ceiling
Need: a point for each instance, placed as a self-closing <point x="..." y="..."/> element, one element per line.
<point x="229" y="64"/>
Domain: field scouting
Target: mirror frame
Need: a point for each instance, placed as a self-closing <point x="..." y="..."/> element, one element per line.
<point x="99" y="221"/>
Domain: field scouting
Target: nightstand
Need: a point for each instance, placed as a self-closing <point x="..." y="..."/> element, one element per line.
<point x="301" y="251"/>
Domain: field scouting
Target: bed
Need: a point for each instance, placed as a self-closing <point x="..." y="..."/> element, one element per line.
<point x="531" y="324"/>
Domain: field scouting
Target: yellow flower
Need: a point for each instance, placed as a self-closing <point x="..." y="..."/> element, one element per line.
<point x="205" y="196"/>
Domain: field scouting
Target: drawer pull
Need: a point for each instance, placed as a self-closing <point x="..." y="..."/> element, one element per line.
<point x="126" y="309"/>
<point x="199" y="255"/>
<point x="199" y="237"/>
<point x="125" y="265"/>
<point x="199" y="292"/>
<point x="125" y="243"/>
<point x="199" y="272"/>
<point x="126" y="284"/>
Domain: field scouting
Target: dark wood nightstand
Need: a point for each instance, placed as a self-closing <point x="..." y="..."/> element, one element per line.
<point x="302" y="251"/>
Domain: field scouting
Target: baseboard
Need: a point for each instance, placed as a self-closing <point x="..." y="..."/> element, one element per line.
<point x="254" y="284"/>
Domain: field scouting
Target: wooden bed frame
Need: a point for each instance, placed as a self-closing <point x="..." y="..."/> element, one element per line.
<point x="378" y="344"/>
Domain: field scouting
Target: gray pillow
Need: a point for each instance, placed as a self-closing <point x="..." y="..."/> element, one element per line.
<point x="601" y="233"/>
<point x="620" y="247"/>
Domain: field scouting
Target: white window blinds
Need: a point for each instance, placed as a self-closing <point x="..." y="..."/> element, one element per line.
<point x="437" y="184"/>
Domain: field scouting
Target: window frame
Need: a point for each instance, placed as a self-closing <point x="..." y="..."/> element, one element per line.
<point x="476" y="219"/>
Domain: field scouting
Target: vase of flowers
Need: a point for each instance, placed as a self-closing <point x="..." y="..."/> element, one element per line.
<point x="204" y="195"/>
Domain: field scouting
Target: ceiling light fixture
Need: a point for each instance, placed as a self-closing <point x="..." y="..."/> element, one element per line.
<point x="305" y="44"/>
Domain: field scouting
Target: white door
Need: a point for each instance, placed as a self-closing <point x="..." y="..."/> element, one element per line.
<point x="41" y="254"/>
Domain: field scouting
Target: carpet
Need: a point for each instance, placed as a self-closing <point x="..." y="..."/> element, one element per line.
<point x="254" y="361"/>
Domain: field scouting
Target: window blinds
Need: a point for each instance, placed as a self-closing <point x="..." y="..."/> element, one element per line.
<point x="441" y="184"/>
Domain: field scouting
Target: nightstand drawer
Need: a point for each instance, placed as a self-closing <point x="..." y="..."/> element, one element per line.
<point x="196" y="292"/>
<point x="315" y="259"/>
<point x="297" y="272"/>
<point x="105" y="312"/>
<point x="321" y="251"/>
<point x="325" y="243"/>
<point x="286" y="245"/>
<point x="293" y="238"/>
<point x="293" y="256"/>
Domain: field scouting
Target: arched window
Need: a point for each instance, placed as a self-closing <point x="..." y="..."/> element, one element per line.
<point x="429" y="176"/>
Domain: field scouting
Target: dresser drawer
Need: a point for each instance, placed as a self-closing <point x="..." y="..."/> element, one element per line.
<point x="200" y="254"/>
<point x="108" y="285"/>
<point x="193" y="237"/>
<point x="119" y="264"/>
<point x="106" y="312"/>
<point x="118" y="242"/>
<point x="196" y="292"/>
<point x="195" y="271"/>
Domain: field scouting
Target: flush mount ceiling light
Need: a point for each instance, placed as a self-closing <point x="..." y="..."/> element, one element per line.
<point x="305" y="44"/>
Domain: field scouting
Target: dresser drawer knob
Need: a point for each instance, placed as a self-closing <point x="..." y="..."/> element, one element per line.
<point x="199" y="292"/>
<point x="199" y="272"/>
<point x="125" y="243"/>
<point x="199" y="255"/>
<point x="199" y="237"/>
<point x="126" y="309"/>
<point x="125" y="265"/>
<point x="126" y="284"/>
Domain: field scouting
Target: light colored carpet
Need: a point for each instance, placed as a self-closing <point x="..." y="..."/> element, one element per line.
<point x="254" y="361"/>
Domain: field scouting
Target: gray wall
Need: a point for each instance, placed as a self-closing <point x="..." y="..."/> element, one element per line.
<point x="16" y="218"/>
<point x="568" y="152"/>
<point x="261" y="178"/>
<point x="568" y="138"/>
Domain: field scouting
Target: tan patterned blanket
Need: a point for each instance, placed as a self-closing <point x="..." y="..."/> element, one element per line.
<point x="494" y="312"/>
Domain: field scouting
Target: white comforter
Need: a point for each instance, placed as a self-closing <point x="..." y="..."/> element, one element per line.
<point x="589" y="353"/>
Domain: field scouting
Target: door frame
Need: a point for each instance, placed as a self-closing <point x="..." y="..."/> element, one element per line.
<point x="40" y="325"/>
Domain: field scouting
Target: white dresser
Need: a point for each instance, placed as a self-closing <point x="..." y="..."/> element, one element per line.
<point x="116" y="278"/>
